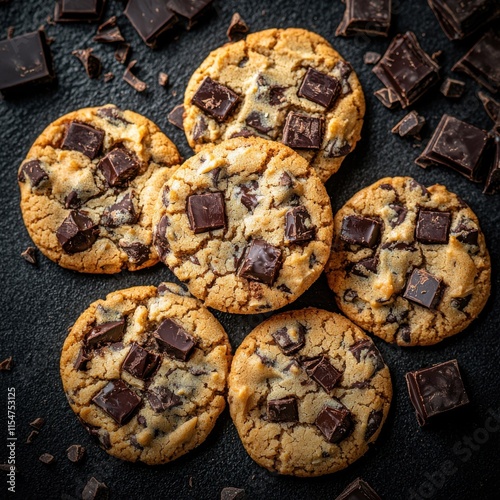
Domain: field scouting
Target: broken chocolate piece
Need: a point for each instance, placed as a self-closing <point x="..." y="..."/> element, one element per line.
<point x="192" y="10"/>
<point x="387" y="97"/>
<point x="113" y="115"/>
<point x="46" y="458"/>
<point x="215" y="99"/>
<point x="410" y="125"/>
<point x="230" y="493"/>
<point x="303" y="132"/>
<point x="34" y="172"/>
<point x="95" y="490"/>
<point x="371" y="57"/>
<point x="367" y="351"/>
<point x="335" y="424"/>
<point x="31" y="437"/>
<point x="109" y="32"/>
<point x="319" y="87"/>
<point x="120" y="213"/>
<point x="91" y="63"/>
<point x="248" y="195"/>
<point x="162" y="79"/>
<point x="67" y="11"/>
<point x="283" y="410"/>
<point x="29" y="255"/>
<point x="206" y="212"/>
<point x="77" y="232"/>
<point x="491" y="106"/>
<point x="322" y="371"/>
<point x="132" y="80"/>
<point x="423" y="288"/>
<point x="81" y="360"/>
<point x="174" y="340"/>
<point x="160" y="240"/>
<point x="290" y="340"/>
<point x="359" y="490"/>
<point x="108" y="77"/>
<point x="118" y="401"/>
<point x="432" y="226"/>
<point x="298" y="227"/>
<point x="111" y="331"/>
<point x="161" y="399"/>
<point x="83" y="138"/>
<point x="260" y="262"/>
<point x="118" y="166"/>
<point x="256" y="120"/>
<point x="122" y="52"/>
<point x="176" y="116"/>
<point x="373" y="423"/>
<point x="237" y="28"/>
<point x="360" y="230"/>
<point x="137" y="253"/>
<point x="368" y="264"/>
<point x="436" y="390"/>
<point x="400" y="216"/>
<point x="452" y="88"/>
<point x="370" y="17"/>
<point x="140" y="363"/>
<point x="492" y="185"/>
<point x="75" y="453"/>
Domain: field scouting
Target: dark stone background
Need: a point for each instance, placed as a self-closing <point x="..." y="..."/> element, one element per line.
<point x="38" y="304"/>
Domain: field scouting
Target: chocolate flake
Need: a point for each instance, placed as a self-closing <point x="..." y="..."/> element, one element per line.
<point x="432" y="226"/>
<point x="423" y="288"/>
<point x="162" y="399"/>
<point x="119" y="166"/>
<point x="237" y="28"/>
<point x="373" y="423"/>
<point x="176" y="116"/>
<point x="118" y="401"/>
<point x="31" y="437"/>
<point x="319" y="88"/>
<point x="91" y="63"/>
<point x="298" y="226"/>
<point x="83" y="138"/>
<point x="111" y="331"/>
<point x="109" y="32"/>
<point x="215" y="99"/>
<point x="206" y="212"/>
<point x="77" y="232"/>
<point x="231" y="493"/>
<point x="29" y="255"/>
<point x="283" y="410"/>
<point x="371" y="57"/>
<point x="108" y="77"/>
<point x="303" y="132"/>
<point x="75" y="453"/>
<point x="81" y="359"/>
<point x="174" y="340"/>
<point x="335" y="424"/>
<point x="387" y="97"/>
<point x="452" y="88"/>
<point x="95" y="490"/>
<point x="162" y="79"/>
<point x="360" y="230"/>
<point x="132" y="80"/>
<point x="260" y="262"/>
<point x="140" y="363"/>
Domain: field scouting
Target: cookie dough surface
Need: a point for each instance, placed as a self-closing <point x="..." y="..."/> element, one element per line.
<point x="426" y="233"/>
<point x="274" y="206"/>
<point x="261" y="372"/>
<point x="103" y="200"/>
<point x="165" y="405"/>
<point x="266" y="72"/>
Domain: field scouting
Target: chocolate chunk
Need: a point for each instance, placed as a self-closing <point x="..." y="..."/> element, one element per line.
<point x="215" y="99"/>
<point x="368" y="264"/>
<point x="111" y="331"/>
<point x="371" y="57"/>
<point x="491" y="106"/>
<point x="460" y="303"/>
<point x="122" y="52"/>
<point x="174" y="340"/>
<point x="260" y="262"/>
<point x="31" y="437"/>
<point x="423" y="288"/>
<point x="256" y="120"/>
<point x="466" y="232"/>
<point x="350" y="295"/>
<point x="337" y="147"/>
<point x="482" y="62"/>
<point x="29" y="255"/>
<point x="387" y="97"/>
<point x="118" y="401"/>
<point x="237" y="28"/>
<point x="414" y="185"/>
<point x="83" y="138"/>
<point x="320" y="88"/>
<point x="95" y="490"/>
<point x="407" y="69"/>
<point x="47" y="458"/>
<point x="151" y="19"/>
<point x="452" y="88"/>
<point x="119" y="166"/>
<point x="200" y="128"/>
<point x="459" y="19"/>
<point x="140" y="363"/>
<point x="335" y="424"/>
<point x="410" y="125"/>
<point x="457" y="145"/>
<point x="160" y="240"/>
<point x="303" y="132"/>
<point x="109" y="32"/>
<point x="401" y="213"/>
<point x="298" y="227"/>
<point x="432" y="226"/>
<point x="91" y="63"/>
<point x="206" y="212"/>
<point x="360" y="230"/>
<point x="38" y="423"/>
<point x="373" y="423"/>
<point x="192" y="10"/>
<point x="25" y="61"/>
<point x="492" y="185"/>
<point x="113" y="115"/>
<point x="400" y="245"/>
<point x="359" y="490"/>
<point x="322" y="371"/>
<point x="371" y="17"/>
<point x="176" y="116"/>
<point x="34" y="172"/>
<point x="6" y="364"/>
<point x="286" y="180"/>
<point x="77" y="232"/>
<point x="161" y="399"/>
<point x="137" y="253"/>
<point x="230" y="493"/>
<point x="75" y="453"/>
<point x="248" y="195"/>
<point x="290" y="340"/>
<point x="436" y="390"/>
<point x="81" y="360"/>
<point x="78" y="10"/>
<point x="277" y="95"/>
<point x="283" y="410"/>
<point x="131" y="79"/>
<point x="404" y="333"/>
<point x="120" y="213"/>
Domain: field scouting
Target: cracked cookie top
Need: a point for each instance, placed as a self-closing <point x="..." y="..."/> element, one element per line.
<point x="247" y="225"/>
<point x="286" y="85"/>
<point x="145" y="371"/>
<point x="409" y="263"/>
<point x="308" y="393"/>
<point x="87" y="184"/>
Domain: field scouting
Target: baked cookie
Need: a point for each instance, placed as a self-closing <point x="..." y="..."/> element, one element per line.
<point x="287" y="85"/>
<point x="87" y="185"/>
<point x="247" y="225"/>
<point x="308" y="393"/>
<point x="145" y="370"/>
<point x="409" y="263"/>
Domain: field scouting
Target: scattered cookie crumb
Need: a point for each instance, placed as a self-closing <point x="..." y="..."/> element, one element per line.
<point x="162" y="78"/>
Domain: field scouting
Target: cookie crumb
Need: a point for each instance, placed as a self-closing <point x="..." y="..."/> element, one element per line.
<point x="162" y="78"/>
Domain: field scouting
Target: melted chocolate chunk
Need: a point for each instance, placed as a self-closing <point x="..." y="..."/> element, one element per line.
<point x="248" y="195"/>
<point x="121" y="213"/>
<point x="320" y="88"/>
<point x="72" y="200"/>
<point x="119" y="166"/>
<point x="335" y="424"/>
<point x="200" y="128"/>
<point x="360" y="230"/>
<point x="112" y="331"/>
<point x="359" y="490"/>
<point x="436" y="390"/>
<point x="78" y="10"/>
<point x="77" y="232"/>
<point x="466" y="232"/>
<point x="256" y="120"/>
<point x="322" y="371"/>
<point x="206" y="212"/>
<point x="277" y="95"/>
<point x="404" y="333"/>
<point x="137" y="253"/>
<point x="414" y="185"/>
<point x="365" y="350"/>
<point x="261" y="262"/>
<point x="174" y="340"/>
<point x="118" y="401"/>
<point x="283" y="410"/>
<point x="140" y="363"/>
<point x="113" y="115"/>
<point x="423" y="288"/>
<point x="401" y="213"/>
<point x="90" y="62"/>
<point x="373" y="423"/>
<point x="215" y="99"/>
<point x="433" y="227"/>
<point x="303" y="132"/>
<point x="460" y="303"/>
<point x="290" y="340"/>
<point x="162" y="399"/>
<point x="371" y="17"/>
<point x="34" y="172"/>
<point x="361" y="267"/>
<point x="160" y="240"/>
<point x="83" y="138"/>
<point x="298" y="227"/>
<point x="176" y="116"/>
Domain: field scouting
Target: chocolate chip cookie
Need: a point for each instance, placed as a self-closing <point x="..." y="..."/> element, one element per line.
<point x="87" y="184"/>
<point x="246" y="224"/>
<point x="308" y="393"/>
<point x="145" y="370"/>
<point x="287" y="85"/>
<point x="409" y="263"/>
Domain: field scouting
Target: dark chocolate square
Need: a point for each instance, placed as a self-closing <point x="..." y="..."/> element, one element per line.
<point x="334" y="423"/>
<point x="359" y="490"/>
<point x="261" y="262"/>
<point x="118" y="401"/>
<point x="83" y="138"/>
<point x="298" y="227"/>
<point x="432" y="226"/>
<point x="319" y="87"/>
<point x="283" y="410"/>
<point x="34" y="172"/>
<point x="360" y="230"/>
<point x="372" y="17"/>
<point x="67" y="11"/>
<point x="423" y="288"/>
<point x="174" y="340"/>
<point x="140" y="363"/>
<point x="119" y="166"/>
<point x="322" y="371"/>
<point x="303" y="132"/>
<point x="206" y="212"/>
<point x="111" y="331"/>
<point x="215" y="99"/>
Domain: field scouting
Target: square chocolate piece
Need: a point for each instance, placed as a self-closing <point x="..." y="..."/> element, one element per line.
<point x="322" y="371"/>
<point x="433" y="227"/>
<point x="25" y="60"/>
<point x="407" y="69"/>
<point x="140" y="363"/>
<point x="83" y="138"/>
<point x="457" y="145"/>
<point x="436" y="390"/>
<point x="119" y="166"/>
<point x="215" y="99"/>
<point x="118" y="401"/>
<point x="372" y="17"/>
<point x="260" y="262"/>
<point x="283" y="410"/>
<point x="174" y="340"/>
<point x="320" y="88"/>
<point x="206" y="212"/>
<point x="335" y="424"/>
<point x="67" y="11"/>
<point x="77" y="232"/>
<point x="359" y="490"/>
<point x="34" y="172"/>
<point x="303" y="132"/>
<point x="298" y="227"/>
<point x="111" y="331"/>
<point x="423" y="288"/>
<point x="192" y="10"/>
<point x="360" y="230"/>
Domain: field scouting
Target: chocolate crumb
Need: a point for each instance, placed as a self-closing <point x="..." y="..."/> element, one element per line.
<point x="371" y="57"/>
<point x="29" y="255"/>
<point x="91" y="63"/>
<point x="122" y="52"/>
<point x="75" y="453"/>
<point x="38" y="423"/>
<point x="176" y="116"/>
<point x="109" y="32"/>
<point x="231" y="493"/>
<point x="46" y="458"/>
<point x="31" y="437"/>
<point x="132" y="80"/>
<point x="410" y="125"/>
<point x="237" y="28"/>
<point x="108" y="77"/>
<point x="162" y="78"/>
<point x="6" y="364"/>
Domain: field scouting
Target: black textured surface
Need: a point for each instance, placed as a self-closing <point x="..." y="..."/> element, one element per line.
<point x="39" y="303"/>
